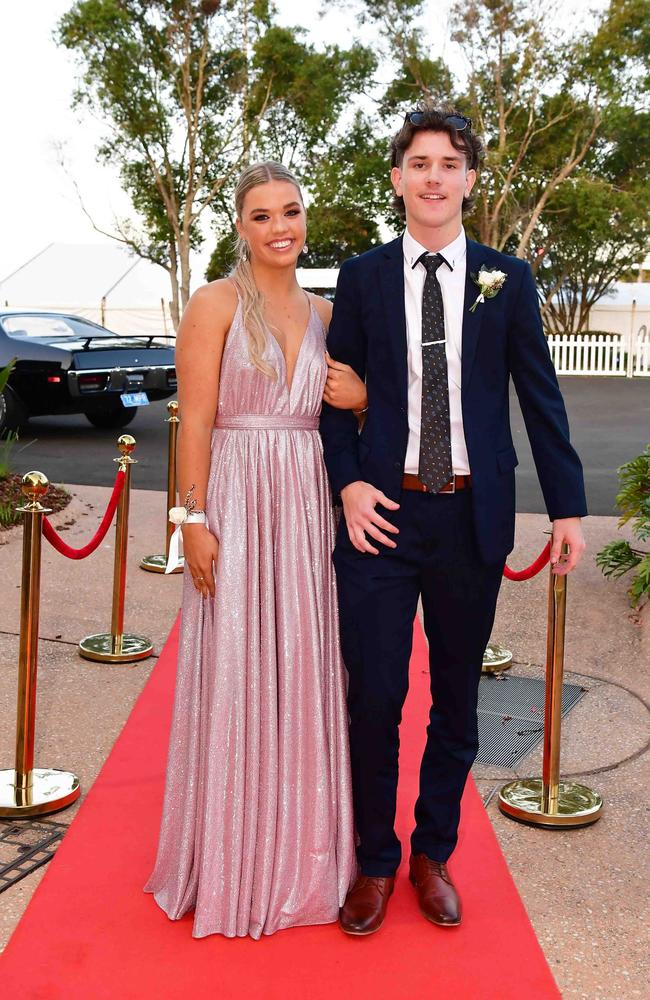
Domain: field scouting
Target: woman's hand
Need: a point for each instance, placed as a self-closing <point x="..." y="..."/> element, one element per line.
<point x="344" y="389"/>
<point x="201" y="551"/>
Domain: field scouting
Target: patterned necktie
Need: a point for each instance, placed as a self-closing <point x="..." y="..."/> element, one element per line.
<point x="435" y="469"/>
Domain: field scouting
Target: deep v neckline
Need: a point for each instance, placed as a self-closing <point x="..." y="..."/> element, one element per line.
<point x="288" y="384"/>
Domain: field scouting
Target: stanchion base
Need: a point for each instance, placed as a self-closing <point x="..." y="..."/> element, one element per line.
<point x="577" y="805"/>
<point x="495" y="659"/>
<point x="49" y="791"/>
<point x="156" y="564"/>
<point x="105" y="649"/>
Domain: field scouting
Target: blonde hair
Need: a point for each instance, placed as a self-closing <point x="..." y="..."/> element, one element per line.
<point x="242" y="273"/>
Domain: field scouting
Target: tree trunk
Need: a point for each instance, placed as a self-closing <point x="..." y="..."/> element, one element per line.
<point x="583" y="314"/>
<point x="186" y="274"/>
<point x="174" y="305"/>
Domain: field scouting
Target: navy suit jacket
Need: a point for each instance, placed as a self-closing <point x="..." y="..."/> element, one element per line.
<point x="503" y="337"/>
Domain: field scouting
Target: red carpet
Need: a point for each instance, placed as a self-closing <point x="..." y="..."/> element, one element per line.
<point x="91" y="933"/>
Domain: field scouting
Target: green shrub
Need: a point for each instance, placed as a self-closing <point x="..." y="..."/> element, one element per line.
<point x="7" y="442"/>
<point x="8" y="438"/>
<point x="619" y="557"/>
<point x="6" y="372"/>
<point x="8" y="515"/>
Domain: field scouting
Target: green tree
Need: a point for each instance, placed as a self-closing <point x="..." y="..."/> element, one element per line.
<point x="595" y="233"/>
<point x="402" y="26"/>
<point x="563" y="112"/>
<point x="521" y="90"/>
<point x="302" y="130"/>
<point x="633" y="500"/>
<point x="346" y="188"/>
<point x="189" y="92"/>
<point x="597" y="226"/>
<point x="350" y="189"/>
<point x="222" y="257"/>
<point x="538" y="113"/>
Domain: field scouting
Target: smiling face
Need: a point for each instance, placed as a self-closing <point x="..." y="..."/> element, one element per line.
<point x="433" y="180"/>
<point x="273" y="223"/>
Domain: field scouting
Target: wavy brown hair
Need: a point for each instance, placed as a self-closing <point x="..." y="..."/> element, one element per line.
<point x="242" y="273"/>
<point x="434" y="120"/>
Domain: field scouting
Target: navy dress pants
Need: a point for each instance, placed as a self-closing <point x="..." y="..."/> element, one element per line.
<point x="436" y="559"/>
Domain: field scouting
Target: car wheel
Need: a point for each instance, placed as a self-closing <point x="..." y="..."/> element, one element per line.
<point x="115" y="417"/>
<point x="12" y="411"/>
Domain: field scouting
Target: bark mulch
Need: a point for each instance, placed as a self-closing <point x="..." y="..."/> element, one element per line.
<point x="12" y="496"/>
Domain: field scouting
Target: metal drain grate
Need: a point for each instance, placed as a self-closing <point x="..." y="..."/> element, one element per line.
<point x="511" y="717"/>
<point x="24" y="847"/>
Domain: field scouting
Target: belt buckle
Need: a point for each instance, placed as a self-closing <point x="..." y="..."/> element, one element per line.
<point x="449" y="487"/>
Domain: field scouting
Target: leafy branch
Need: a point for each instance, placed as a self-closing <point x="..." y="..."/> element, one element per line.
<point x="619" y="557"/>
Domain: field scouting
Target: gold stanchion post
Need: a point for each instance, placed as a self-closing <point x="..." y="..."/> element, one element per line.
<point x="548" y="801"/>
<point x="496" y="658"/>
<point x="116" y="646"/>
<point x="26" y="790"/>
<point x="157" y="563"/>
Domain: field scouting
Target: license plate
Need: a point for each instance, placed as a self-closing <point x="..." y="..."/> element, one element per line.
<point x="134" y="399"/>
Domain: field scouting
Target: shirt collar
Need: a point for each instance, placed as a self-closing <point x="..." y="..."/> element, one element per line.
<point x="453" y="253"/>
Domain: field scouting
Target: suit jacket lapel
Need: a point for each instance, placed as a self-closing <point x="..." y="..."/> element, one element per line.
<point x="471" y="320"/>
<point x="392" y="290"/>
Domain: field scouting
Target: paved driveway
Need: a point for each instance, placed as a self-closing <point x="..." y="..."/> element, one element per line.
<point x="610" y="423"/>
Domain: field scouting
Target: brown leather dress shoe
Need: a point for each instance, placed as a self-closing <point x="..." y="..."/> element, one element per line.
<point x="437" y="896"/>
<point x="365" y="906"/>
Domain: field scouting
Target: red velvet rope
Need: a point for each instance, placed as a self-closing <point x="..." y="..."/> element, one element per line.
<point x="66" y="550"/>
<point x="533" y="569"/>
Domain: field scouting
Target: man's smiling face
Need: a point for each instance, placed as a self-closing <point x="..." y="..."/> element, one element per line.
<point x="433" y="180"/>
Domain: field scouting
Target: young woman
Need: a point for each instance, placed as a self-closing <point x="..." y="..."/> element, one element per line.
<point x="257" y="830"/>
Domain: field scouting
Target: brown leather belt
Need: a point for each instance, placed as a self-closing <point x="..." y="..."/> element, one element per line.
<point x="411" y="482"/>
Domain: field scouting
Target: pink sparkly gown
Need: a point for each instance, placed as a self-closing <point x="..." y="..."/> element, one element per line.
<point x="257" y="828"/>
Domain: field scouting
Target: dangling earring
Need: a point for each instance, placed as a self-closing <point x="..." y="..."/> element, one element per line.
<point x="245" y="251"/>
<point x="305" y="249"/>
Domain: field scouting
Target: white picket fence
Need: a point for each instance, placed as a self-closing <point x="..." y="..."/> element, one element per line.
<point x="603" y="354"/>
<point x="642" y="355"/>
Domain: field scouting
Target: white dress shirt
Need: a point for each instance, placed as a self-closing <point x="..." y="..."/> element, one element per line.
<point x="452" y="284"/>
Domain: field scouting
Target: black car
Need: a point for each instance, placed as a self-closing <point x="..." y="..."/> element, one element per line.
<point x="66" y="364"/>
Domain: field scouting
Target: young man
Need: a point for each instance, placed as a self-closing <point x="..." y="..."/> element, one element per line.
<point x="428" y="493"/>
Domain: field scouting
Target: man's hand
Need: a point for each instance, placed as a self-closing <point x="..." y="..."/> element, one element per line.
<point x="567" y="530"/>
<point x="359" y="501"/>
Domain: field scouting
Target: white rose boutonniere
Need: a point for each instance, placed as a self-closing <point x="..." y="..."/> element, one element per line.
<point x="490" y="284"/>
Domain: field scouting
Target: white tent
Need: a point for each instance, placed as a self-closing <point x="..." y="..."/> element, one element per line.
<point x="103" y="282"/>
<point x="624" y="293"/>
<point x="322" y="278"/>
<point x="107" y="284"/>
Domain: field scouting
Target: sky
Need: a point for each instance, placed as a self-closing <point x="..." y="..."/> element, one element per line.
<point x="38" y="203"/>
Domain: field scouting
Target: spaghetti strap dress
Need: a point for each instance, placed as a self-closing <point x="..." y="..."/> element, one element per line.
<point x="257" y="825"/>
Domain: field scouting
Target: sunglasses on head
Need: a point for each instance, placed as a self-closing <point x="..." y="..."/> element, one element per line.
<point x="459" y="122"/>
